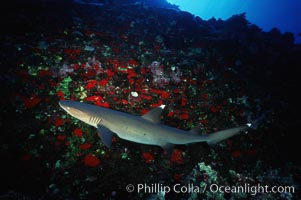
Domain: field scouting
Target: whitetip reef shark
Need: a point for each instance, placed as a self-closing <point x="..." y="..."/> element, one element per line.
<point x="145" y="129"/>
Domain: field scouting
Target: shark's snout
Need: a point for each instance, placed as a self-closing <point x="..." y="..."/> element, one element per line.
<point x="65" y="104"/>
<point x="62" y="103"/>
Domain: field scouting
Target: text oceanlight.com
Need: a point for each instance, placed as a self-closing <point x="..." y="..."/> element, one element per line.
<point x="214" y="188"/>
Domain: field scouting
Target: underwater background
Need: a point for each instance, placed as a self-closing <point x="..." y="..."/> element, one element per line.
<point x="133" y="56"/>
<point x="266" y="14"/>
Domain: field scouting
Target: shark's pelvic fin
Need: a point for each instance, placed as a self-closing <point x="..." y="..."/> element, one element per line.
<point x="105" y="135"/>
<point x="196" y="129"/>
<point x="154" y="115"/>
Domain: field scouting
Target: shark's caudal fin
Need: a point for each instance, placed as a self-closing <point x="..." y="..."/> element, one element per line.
<point x="254" y="124"/>
<point x="219" y="136"/>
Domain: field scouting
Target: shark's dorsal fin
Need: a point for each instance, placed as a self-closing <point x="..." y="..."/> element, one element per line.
<point x="105" y="135"/>
<point x="154" y="114"/>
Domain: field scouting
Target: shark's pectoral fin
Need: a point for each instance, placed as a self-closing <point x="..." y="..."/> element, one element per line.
<point x="168" y="147"/>
<point x="105" y="135"/>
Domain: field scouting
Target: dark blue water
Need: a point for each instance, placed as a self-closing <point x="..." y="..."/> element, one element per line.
<point x="266" y="14"/>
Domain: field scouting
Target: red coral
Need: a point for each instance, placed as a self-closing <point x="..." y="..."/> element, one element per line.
<point x="236" y="154"/>
<point x="89" y="73"/>
<point x="176" y="91"/>
<point x="145" y="70"/>
<point x="43" y="73"/>
<point x="165" y="95"/>
<point x="72" y="52"/>
<point x="131" y="73"/>
<point x="170" y="114"/>
<point x="144" y="111"/>
<point x="91" y="84"/>
<point x="205" y="96"/>
<point x="204" y="121"/>
<point x="155" y="105"/>
<point x="148" y="157"/>
<point x="85" y="146"/>
<point x="31" y="102"/>
<point x="131" y="81"/>
<point x="91" y="161"/>
<point x="103" y="104"/>
<point x="94" y="98"/>
<point x="110" y="73"/>
<point x="146" y="97"/>
<point x="133" y="62"/>
<point x="59" y="122"/>
<point x="177" y="156"/>
<point x="78" y="132"/>
<point x="60" y="94"/>
<point x="61" y="137"/>
<point x="103" y="82"/>
<point x="156" y="91"/>
<point x="115" y="50"/>
<point x="192" y="82"/>
<point x="184" y="116"/>
<point x="124" y="101"/>
<point x="215" y="109"/>
<point x="183" y="101"/>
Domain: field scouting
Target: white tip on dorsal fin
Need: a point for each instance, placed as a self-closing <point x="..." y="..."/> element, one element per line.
<point x="162" y="106"/>
<point x="154" y="115"/>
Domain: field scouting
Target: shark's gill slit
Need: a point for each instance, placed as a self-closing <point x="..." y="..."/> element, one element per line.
<point x="98" y="120"/>
<point x="94" y="119"/>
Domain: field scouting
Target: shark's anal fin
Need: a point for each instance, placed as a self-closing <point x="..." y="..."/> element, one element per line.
<point x="168" y="148"/>
<point x="154" y="115"/>
<point x="105" y="135"/>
